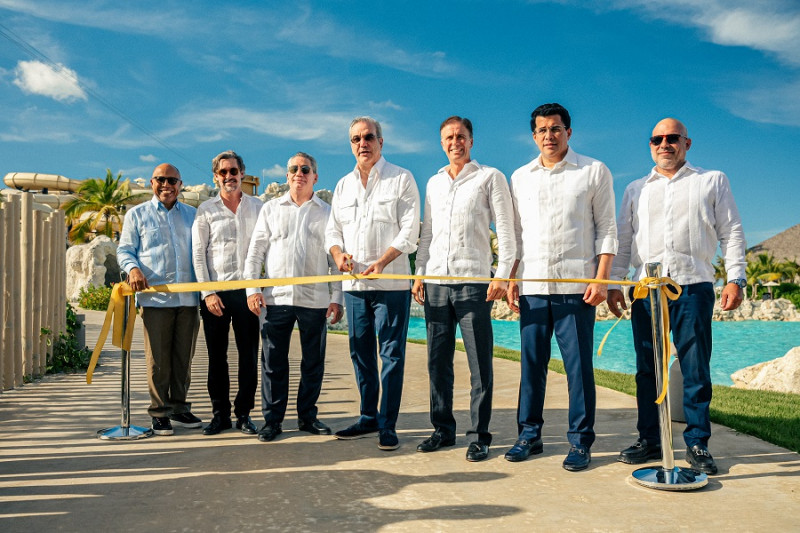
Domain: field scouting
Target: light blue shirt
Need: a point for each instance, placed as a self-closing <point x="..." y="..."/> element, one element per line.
<point x="158" y="241"/>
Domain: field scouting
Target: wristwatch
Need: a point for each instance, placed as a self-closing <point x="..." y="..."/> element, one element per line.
<point x="740" y="282"/>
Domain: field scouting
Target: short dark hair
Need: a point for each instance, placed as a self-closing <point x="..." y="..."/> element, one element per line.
<point x="228" y="154"/>
<point x="467" y="123"/>
<point x="546" y="110"/>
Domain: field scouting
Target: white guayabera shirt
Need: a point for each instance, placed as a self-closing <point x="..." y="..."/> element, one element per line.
<point x="288" y="242"/>
<point x="455" y="239"/>
<point x="220" y="239"/>
<point x="366" y="221"/>
<point x="678" y="222"/>
<point x="564" y="219"/>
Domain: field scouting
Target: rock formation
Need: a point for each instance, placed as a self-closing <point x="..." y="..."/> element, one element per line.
<point x="93" y="263"/>
<point x="780" y="375"/>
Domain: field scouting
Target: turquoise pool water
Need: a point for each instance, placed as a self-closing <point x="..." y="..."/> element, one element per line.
<point x="736" y="344"/>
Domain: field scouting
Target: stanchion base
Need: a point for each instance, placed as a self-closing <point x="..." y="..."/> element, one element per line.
<point x="676" y="479"/>
<point x="123" y="433"/>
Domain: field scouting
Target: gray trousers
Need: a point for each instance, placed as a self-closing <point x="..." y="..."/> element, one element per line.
<point x="464" y="305"/>
<point x="170" y="334"/>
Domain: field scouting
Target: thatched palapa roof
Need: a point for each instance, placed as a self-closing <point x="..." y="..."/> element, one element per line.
<point x="784" y="246"/>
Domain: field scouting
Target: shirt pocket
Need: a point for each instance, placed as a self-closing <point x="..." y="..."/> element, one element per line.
<point x="384" y="209"/>
<point x="347" y="211"/>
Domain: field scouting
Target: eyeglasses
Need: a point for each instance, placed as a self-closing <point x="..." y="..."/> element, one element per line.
<point x="369" y="137"/>
<point x="554" y="130"/>
<point x="224" y="171"/>
<point x="162" y="179"/>
<point x="305" y="169"/>
<point x="672" y="138"/>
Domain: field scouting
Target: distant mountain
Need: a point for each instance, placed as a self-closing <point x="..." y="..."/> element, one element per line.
<point x="783" y="246"/>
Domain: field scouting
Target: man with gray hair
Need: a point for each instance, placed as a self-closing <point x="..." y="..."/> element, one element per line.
<point x="220" y="237"/>
<point x="287" y="242"/>
<point x="374" y="225"/>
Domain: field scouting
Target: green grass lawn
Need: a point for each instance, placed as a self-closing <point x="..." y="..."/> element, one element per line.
<point x="770" y="416"/>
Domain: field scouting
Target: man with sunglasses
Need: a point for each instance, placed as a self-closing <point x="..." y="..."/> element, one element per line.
<point x="288" y="242"/>
<point x="155" y="248"/>
<point x="565" y="227"/>
<point x="220" y="237"/>
<point x="374" y="225"/>
<point x="676" y="216"/>
<point x="462" y="200"/>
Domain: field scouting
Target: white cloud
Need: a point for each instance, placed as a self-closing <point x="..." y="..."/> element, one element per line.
<point x="771" y="26"/>
<point x="35" y="77"/>
<point x="770" y="103"/>
<point x="149" y="158"/>
<point x="275" y="171"/>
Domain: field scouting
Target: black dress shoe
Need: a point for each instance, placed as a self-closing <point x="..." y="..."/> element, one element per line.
<point x="477" y="451"/>
<point x="523" y="449"/>
<point x="269" y="432"/>
<point x="313" y="426"/>
<point x="641" y="452"/>
<point x="356" y="431"/>
<point x="245" y="425"/>
<point x="434" y="442"/>
<point x="217" y="425"/>
<point x="700" y="459"/>
<point x="577" y="459"/>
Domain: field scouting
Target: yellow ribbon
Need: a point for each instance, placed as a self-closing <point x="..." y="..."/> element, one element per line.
<point x="116" y="307"/>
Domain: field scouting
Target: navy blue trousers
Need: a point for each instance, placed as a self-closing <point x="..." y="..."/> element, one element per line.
<point x="275" y="336"/>
<point x="690" y="322"/>
<point x="572" y="321"/>
<point x="384" y="313"/>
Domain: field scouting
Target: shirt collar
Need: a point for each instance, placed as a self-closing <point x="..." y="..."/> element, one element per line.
<point x="684" y="171"/>
<point x="286" y="199"/>
<point x="570" y="158"/>
<point x="472" y="163"/>
<point x="158" y="205"/>
<point x="377" y="170"/>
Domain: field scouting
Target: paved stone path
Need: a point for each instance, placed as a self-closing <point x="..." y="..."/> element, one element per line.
<point x="55" y="475"/>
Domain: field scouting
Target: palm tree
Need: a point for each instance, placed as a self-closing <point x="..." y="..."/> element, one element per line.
<point x="720" y="274"/>
<point x="98" y="207"/>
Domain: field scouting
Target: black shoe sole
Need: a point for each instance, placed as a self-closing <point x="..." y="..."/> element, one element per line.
<point x="639" y="460"/>
<point x="702" y="469"/>
<point x="517" y="458"/>
<point x="354" y="437"/>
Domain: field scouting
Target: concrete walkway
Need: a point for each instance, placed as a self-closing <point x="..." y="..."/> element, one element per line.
<point x="55" y="475"/>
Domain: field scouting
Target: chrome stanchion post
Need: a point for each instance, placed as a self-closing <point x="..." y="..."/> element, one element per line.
<point x="668" y="476"/>
<point x="125" y="431"/>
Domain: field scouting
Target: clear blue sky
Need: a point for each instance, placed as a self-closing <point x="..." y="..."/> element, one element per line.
<point x="268" y="79"/>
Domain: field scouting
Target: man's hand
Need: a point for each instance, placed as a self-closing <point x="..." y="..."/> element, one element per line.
<point x="255" y="302"/>
<point x="375" y="268"/>
<point x="418" y="292"/>
<point x="595" y="294"/>
<point x="214" y="304"/>
<point x="616" y="302"/>
<point x="497" y="290"/>
<point x="334" y="313"/>
<point x="344" y="262"/>
<point x="731" y="298"/>
<point x="512" y="296"/>
<point x="136" y="280"/>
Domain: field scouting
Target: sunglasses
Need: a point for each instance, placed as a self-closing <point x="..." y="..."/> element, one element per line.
<point x="224" y="171"/>
<point x="369" y="137"/>
<point x="672" y="138"/>
<point x="305" y="169"/>
<point x="162" y="179"/>
<point x="554" y="130"/>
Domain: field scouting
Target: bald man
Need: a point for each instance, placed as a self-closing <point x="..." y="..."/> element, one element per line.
<point x="155" y="248"/>
<point x="676" y="216"/>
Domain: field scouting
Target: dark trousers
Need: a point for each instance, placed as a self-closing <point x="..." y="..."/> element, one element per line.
<point x="245" y="331"/>
<point x="169" y="337"/>
<point x="276" y="334"/>
<point x="464" y="305"/>
<point x="690" y="322"/>
<point x="572" y="321"/>
<point x="384" y="312"/>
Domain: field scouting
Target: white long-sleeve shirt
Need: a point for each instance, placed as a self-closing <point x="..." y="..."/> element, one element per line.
<point x="366" y="221"/>
<point x="288" y="242"/>
<point x="455" y="239"/>
<point x="564" y="219"/>
<point x="220" y="239"/>
<point x="678" y="222"/>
